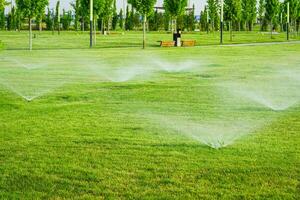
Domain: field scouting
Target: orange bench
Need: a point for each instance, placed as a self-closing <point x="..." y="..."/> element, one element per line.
<point x="188" y="43"/>
<point x="167" y="43"/>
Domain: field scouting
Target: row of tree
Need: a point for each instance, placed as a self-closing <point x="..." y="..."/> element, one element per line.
<point x="243" y="14"/>
<point x="238" y="15"/>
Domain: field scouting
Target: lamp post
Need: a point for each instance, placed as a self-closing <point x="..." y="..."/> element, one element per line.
<point x="91" y="23"/>
<point x="288" y="22"/>
<point x="124" y="16"/>
<point x="221" y="22"/>
<point x="58" y="18"/>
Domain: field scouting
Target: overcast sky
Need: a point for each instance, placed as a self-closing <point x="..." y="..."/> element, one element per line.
<point x="199" y="4"/>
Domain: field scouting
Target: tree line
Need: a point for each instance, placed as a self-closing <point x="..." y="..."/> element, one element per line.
<point x="244" y="14"/>
<point x="239" y="15"/>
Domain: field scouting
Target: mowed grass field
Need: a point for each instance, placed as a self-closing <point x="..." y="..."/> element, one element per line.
<point x="79" y="40"/>
<point x="113" y="123"/>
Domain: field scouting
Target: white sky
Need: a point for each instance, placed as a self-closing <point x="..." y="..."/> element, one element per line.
<point x="199" y="4"/>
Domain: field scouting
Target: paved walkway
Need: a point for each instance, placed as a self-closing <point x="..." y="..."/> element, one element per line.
<point x="255" y="44"/>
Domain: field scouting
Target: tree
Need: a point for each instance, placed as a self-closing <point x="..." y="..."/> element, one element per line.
<point x="2" y="19"/>
<point x="66" y="20"/>
<point x="115" y="17"/>
<point x="121" y="19"/>
<point x="191" y="19"/>
<point x="294" y="12"/>
<point x="14" y="18"/>
<point x="84" y="12"/>
<point x="145" y="8"/>
<point x="272" y="7"/>
<point x="57" y="16"/>
<point x="39" y="17"/>
<point x="175" y="8"/>
<point x="232" y="13"/>
<point x="11" y="19"/>
<point x="127" y="19"/>
<point x="261" y="13"/>
<point x="167" y="19"/>
<point x="248" y="13"/>
<point x="30" y="9"/>
<point x="77" y="10"/>
<point x="155" y="21"/>
<point x="213" y="13"/>
<point x="203" y="19"/>
<point x="49" y="20"/>
<point x="3" y="3"/>
<point x="107" y="13"/>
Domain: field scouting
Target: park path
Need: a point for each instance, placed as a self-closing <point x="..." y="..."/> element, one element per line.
<point x="260" y="44"/>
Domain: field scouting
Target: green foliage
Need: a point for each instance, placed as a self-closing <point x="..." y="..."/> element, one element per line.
<point x="248" y="13"/>
<point x="115" y="16"/>
<point x="261" y="15"/>
<point x="203" y="19"/>
<point x="175" y="8"/>
<point x="128" y="22"/>
<point x="49" y="19"/>
<point x="167" y="19"/>
<point x="77" y="9"/>
<point x="2" y="19"/>
<point x="190" y="20"/>
<point x="121" y="19"/>
<point x="213" y="14"/>
<point x="233" y="11"/>
<point x="3" y="3"/>
<point x="144" y="7"/>
<point x="98" y="6"/>
<point x="57" y="15"/>
<point x="66" y="19"/>
<point x="156" y="21"/>
<point x="31" y="8"/>
<point x="272" y="8"/>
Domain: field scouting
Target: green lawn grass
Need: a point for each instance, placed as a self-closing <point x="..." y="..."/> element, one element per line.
<point x="79" y="40"/>
<point x="90" y="138"/>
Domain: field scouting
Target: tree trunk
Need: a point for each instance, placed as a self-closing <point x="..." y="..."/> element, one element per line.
<point x="30" y="34"/>
<point x="230" y="29"/>
<point x="40" y="27"/>
<point x="144" y="31"/>
<point x="102" y="26"/>
<point x="59" y="28"/>
<point x="53" y="27"/>
<point x="271" y="28"/>
<point x="95" y="31"/>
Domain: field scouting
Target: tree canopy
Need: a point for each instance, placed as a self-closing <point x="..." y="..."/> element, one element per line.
<point x="31" y="8"/>
<point x="175" y="7"/>
<point x="143" y="6"/>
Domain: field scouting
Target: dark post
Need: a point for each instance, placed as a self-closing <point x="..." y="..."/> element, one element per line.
<point x="91" y="23"/>
<point x="288" y="22"/>
<point x="221" y="23"/>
